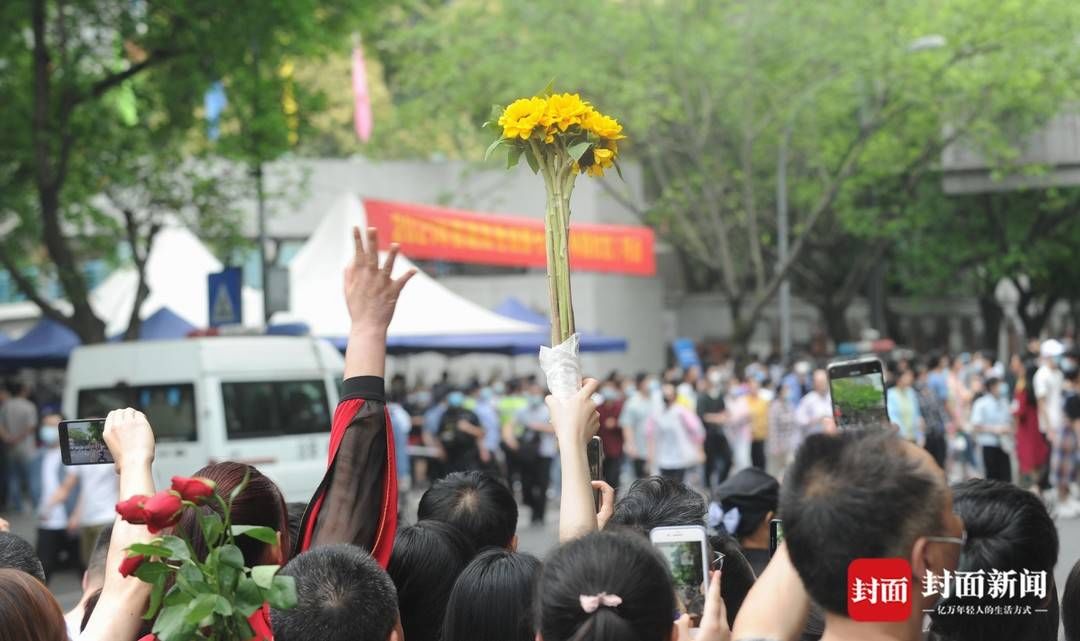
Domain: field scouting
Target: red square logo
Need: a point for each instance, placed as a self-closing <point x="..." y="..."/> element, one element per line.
<point x="879" y="590"/>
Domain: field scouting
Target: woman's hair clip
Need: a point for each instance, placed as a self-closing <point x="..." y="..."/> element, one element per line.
<point x="590" y="603"/>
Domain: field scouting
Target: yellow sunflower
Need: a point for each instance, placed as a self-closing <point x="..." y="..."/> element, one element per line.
<point x="565" y="110"/>
<point x="521" y="117"/>
<point x="603" y="126"/>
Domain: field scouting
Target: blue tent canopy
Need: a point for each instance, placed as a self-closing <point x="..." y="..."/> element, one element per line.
<point x="47" y="344"/>
<point x="590" y="341"/>
<point x="507" y="344"/>
<point x="161" y="325"/>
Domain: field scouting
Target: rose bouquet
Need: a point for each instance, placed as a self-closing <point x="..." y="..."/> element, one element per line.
<point x="200" y="598"/>
<point x="561" y="136"/>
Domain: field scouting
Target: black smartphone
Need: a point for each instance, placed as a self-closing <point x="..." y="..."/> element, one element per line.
<point x="82" y="442"/>
<point x="858" y="393"/>
<point x="595" y="452"/>
<point x="776" y="535"/>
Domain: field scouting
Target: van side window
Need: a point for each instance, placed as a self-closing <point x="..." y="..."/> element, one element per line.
<point x="275" y="408"/>
<point x="170" y="408"/>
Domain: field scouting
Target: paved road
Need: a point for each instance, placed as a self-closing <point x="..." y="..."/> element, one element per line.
<point x="536" y="540"/>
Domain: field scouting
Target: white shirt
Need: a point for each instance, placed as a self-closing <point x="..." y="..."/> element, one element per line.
<point x="55" y="518"/>
<point x="812" y="410"/>
<point x="1048" y="383"/>
<point x="98" y="490"/>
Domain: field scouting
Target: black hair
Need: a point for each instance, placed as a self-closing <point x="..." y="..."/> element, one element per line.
<point x="657" y="501"/>
<point x="1029" y="380"/>
<point x="426" y="560"/>
<point x="477" y="504"/>
<point x="492" y="599"/>
<point x="1070" y="605"/>
<point x="1008" y="529"/>
<point x="343" y="596"/>
<point x="95" y="565"/>
<point x="858" y="494"/>
<point x="737" y="576"/>
<point x="16" y="553"/>
<point x="294" y="512"/>
<point x="639" y="378"/>
<point x="621" y="564"/>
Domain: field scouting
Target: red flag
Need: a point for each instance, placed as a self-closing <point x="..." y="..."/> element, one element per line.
<point x="361" y="100"/>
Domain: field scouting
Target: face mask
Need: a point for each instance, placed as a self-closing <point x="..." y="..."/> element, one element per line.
<point x="49" y="434"/>
<point x="535" y="400"/>
<point x="499" y="388"/>
<point x="486" y="394"/>
<point x="1003" y="390"/>
<point x="454" y="399"/>
<point x="610" y="393"/>
<point x="654" y="386"/>
<point x="714" y="377"/>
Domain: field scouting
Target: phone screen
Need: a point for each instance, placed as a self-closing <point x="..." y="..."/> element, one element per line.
<point x="776" y="535"/>
<point x="596" y="465"/>
<point x="858" y="394"/>
<point x="686" y="559"/>
<point x="82" y="442"/>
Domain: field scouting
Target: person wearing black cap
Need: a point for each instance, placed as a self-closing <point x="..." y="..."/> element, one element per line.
<point x="743" y="505"/>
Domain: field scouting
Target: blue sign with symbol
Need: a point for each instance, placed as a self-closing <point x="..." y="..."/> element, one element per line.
<point x="226" y="305"/>
<point x="686" y="353"/>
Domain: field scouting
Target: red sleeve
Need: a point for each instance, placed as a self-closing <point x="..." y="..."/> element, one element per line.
<point x="357" y="501"/>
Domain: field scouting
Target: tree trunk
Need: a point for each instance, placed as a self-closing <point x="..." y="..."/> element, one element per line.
<point x="992" y="317"/>
<point x="834" y="315"/>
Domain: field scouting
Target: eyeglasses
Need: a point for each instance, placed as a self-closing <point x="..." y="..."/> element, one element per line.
<point x="958" y="540"/>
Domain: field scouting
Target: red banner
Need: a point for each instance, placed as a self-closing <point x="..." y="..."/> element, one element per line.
<point x="435" y="233"/>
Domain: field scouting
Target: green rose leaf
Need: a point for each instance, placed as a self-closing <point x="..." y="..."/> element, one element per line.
<point x="263" y="575"/>
<point x="248" y="597"/>
<point x="257" y="532"/>
<point x="176" y="596"/>
<point x="151" y="549"/>
<point x="200" y="607"/>
<point x="150" y="572"/>
<point x="282" y="594"/>
<point x="178" y="548"/>
<point x="171" y="623"/>
<point x="156" y="595"/>
<point x="514" y="156"/>
<point x="222" y="606"/>
<point x="531" y="158"/>
<point x="231" y="556"/>
<point x="212" y="527"/>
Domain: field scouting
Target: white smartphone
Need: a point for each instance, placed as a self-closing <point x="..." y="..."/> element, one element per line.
<point x="686" y="549"/>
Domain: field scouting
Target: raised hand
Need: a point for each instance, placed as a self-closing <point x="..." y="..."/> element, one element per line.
<point x="370" y="293"/>
<point x="129" y="438"/>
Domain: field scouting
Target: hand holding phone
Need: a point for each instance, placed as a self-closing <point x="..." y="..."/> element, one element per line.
<point x="776" y="535"/>
<point x="857" y="389"/>
<point x="686" y="549"/>
<point x="595" y="453"/>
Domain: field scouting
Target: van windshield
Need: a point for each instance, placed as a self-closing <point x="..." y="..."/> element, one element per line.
<point x="275" y="408"/>
<point x="170" y="408"/>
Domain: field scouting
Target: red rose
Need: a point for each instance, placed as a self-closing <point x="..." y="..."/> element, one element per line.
<point x="148" y="637"/>
<point x="130" y="564"/>
<point x="133" y="510"/>
<point x="193" y="489"/>
<point x="162" y="510"/>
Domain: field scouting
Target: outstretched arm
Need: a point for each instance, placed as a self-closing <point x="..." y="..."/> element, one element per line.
<point x="119" y="611"/>
<point x="575" y="421"/>
<point x="759" y="618"/>
<point x="356" y="502"/>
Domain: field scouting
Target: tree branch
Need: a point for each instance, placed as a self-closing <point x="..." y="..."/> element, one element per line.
<point x="28" y="289"/>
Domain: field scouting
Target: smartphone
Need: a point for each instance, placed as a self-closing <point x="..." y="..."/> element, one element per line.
<point x="858" y="393"/>
<point x="595" y="452"/>
<point x="82" y="442"/>
<point x="776" y="535"/>
<point x="686" y="549"/>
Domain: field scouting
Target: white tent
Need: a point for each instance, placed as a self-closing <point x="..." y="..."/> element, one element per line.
<point x="425" y="308"/>
<point x="176" y="274"/>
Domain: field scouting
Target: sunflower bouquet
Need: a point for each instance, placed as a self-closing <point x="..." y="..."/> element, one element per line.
<point x="561" y="137"/>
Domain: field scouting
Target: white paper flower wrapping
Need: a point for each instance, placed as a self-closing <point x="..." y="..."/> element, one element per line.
<point x="562" y="368"/>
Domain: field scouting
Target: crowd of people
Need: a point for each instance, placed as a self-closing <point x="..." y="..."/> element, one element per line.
<point x="365" y="573"/>
<point x="1016" y="423"/>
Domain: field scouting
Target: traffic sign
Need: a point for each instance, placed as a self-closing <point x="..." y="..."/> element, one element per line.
<point x="226" y="304"/>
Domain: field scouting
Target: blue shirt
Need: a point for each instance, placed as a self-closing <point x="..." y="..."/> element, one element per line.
<point x="489" y="420"/>
<point x="938" y="382"/>
<point x="990" y="410"/>
<point x="903" y="406"/>
<point x="402" y="424"/>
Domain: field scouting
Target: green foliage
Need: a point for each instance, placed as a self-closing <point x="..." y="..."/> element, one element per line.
<point x="211" y="597"/>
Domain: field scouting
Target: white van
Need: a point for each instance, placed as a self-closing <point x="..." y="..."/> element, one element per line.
<point x="262" y="400"/>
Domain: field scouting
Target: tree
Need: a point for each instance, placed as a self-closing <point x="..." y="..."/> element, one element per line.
<point x="708" y="90"/>
<point x="114" y="101"/>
